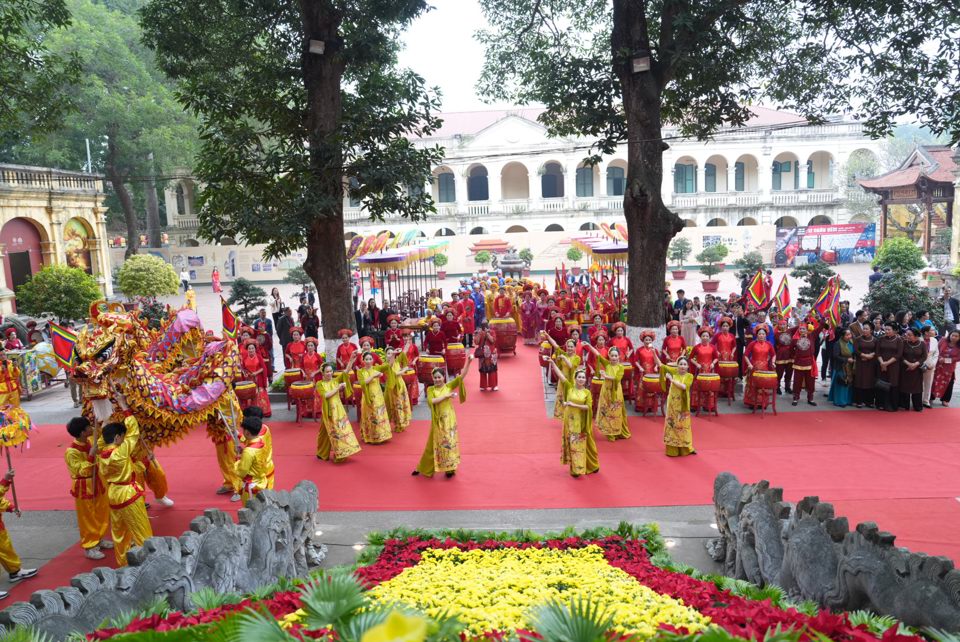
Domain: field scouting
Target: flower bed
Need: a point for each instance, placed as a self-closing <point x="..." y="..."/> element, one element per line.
<point x="493" y="587"/>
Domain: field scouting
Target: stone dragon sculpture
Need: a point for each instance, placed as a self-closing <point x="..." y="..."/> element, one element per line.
<point x="173" y="378"/>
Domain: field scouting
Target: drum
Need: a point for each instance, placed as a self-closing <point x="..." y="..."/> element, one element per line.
<point x="456" y="357"/>
<point x="728" y="369"/>
<point x="413" y="387"/>
<point x="627" y="382"/>
<point x="708" y="382"/>
<point x="763" y="380"/>
<point x="651" y="383"/>
<point x="301" y="391"/>
<point x="290" y="375"/>
<point x="595" y="384"/>
<point x="246" y="390"/>
<point x="506" y="330"/>
<point x="546" y="351"/>
<point x="425" y="367"/>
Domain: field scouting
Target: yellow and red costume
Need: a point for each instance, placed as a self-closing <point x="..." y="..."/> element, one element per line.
<point x="783" y="340"/>
<point x="9" y="384"/>
<point x="129" y="525"/>
<point x="255" y="466"/>
<point x="8" y="556"/>
<point x="90" y="499"/>
<point x="759" y="355"/>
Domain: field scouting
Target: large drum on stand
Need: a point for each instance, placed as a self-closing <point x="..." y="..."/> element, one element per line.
<point x="456" y="358"/>
<point x="707" y="382"/>
<point x="246" y="393"/>
<point x="651" y="383"/>
<point x="728" y="369"/>
<point x="627" y="382"/>
<point x="506" y="330"/>
<point x="425" y="366"/>
<point x="765" y="386"/>
<point x="302" y="394"/>
<point x="764" y="380"/>
<point x="291" y="376"/>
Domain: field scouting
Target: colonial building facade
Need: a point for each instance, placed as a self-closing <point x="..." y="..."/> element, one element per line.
<point x="502" y="174"/>
<point x="50" y="217"/>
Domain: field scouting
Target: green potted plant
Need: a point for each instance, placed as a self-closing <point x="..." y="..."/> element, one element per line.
<point x="678" y="252"/>
<point x="709" y="261"/>
<point x="526" y="255"/>
<point x="439" y="261"/>
<point x="148" y="277"/>
<point x="723" y="252"/>
<point x="482" y="258"/>
<point x="574" y="254"/>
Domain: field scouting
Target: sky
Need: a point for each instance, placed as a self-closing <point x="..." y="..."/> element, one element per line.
<point x="440" y="47"/>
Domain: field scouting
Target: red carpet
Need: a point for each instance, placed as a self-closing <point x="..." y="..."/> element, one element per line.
<point x="895" y="469"/>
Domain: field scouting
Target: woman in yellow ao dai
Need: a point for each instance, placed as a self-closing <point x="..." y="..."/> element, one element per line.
<point x="442" y="451"/>
<point x="335" y="439"/>
<point x="374" y="419"/>
<point x="398" y="399"/>
<point x="579" y="450"/>
<point x="568" y="362"/>
<point x="611" y="411"/>
<point x="677" y="429"/>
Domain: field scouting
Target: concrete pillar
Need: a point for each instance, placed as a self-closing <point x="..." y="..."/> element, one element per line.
<point x="701" y="185"/>
<point x="460" y="187"/>
<point x="570" y="181"/>
<point x="732" y="177"/>
<point x="6" y="294"/>
<point x="535" y="186"/>
<point x="803" y="176"/>
<point x="495" y="186"/>
<point x="765" y="177"/>
<point x="602" y="168"/>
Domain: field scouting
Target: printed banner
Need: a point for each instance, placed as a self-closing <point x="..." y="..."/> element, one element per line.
<point x="832" y="244"/>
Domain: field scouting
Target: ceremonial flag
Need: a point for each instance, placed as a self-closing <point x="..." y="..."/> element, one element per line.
<point x="757" y="293"/>
<point x="230" y="323"/>
<point x="63" y="341"/>
<point x="827" y="304"/>
<point x="781" y="300"/>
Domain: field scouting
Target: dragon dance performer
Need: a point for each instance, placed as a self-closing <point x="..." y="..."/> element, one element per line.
<point x="266" y="435"/>
<point x="150" y="474"/>
<point x="89" y="494"/>
<point x="129" y="525"/>
<point x="255" y="464"/>
<point x="442" y="450"/>
<point x="8" y="556"/>
<point x="335" y="439"/>
<point x="9" y="381"/>
<point x="579" y="450"/>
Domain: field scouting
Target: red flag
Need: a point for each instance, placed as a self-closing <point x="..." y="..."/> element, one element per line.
<point x="230" y="323"/>
<point x="63" y="341"/>
<point x="781" y="300"/>
<point x="757" y="293"/>
<point x="828" y="303"/>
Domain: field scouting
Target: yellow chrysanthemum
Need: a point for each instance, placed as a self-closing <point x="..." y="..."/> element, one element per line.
<point x="495" y="590"/>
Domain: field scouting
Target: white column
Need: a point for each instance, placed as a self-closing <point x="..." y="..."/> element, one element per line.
<point x="732" y="177"/>
<point x="701" y="177"/>
<point x="535" y="186"/>
<point x="602" y="167"/>
<point x="803" y="176"/>
<point x="460" y="188"/>
<point x="495" y="185"/>
<point x="570" y="181"/>
<point x="765" y="177"/>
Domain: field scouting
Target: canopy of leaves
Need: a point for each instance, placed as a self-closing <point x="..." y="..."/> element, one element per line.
<point x="36" y="82"/>
<point x="679" y="250"/>
<point x="815" y="276"/>
<point x="440" y="260"/>
<point x="574" y="254"/>
<point x="899" y="291"/>
<point x="246" y="298"/>
<point x="899" y="254"/>
<point x="147" y="276"/>
<point x="274" y="157"/>
<point x="64" y="292"/>
<point x="298" y="276"/>
<point x="526" y="255"/>
<point x="482" y="257"/>
<point x="748" y="264"/>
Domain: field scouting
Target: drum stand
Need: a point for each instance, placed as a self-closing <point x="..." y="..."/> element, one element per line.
<point x="765" y="396"/>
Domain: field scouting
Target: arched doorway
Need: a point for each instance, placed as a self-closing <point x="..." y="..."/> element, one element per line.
<point x="478" y="230"/>
<point x="445" y="231"/>
<point x="689" y="222"/>
<point x="23" y="255"/>
<point x="551" y="181"/>
<point x="516" y="229"/>
<point x="76" y="233"/>
<point x="717" y="222"/>
<point x="478" y="187"/>
<point x="553" y="227"/>
<point x="515" y="181"/>
<point x="787" y="222"/>
<point x="191" y="243"/>
<point x="747" y="220"/>
<point x="820" y="220"/>
<point x="589" y="227"/>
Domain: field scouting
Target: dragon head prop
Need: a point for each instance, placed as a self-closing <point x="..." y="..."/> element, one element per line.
<point x="106" y="345"/>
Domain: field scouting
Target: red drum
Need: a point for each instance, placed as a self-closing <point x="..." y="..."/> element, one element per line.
<point x="425" y="366"/>
<point x="708" y="382"/>
<point x="456" y="357"/>
<point x="546" y="351"/>
<point x="413" y="387"/>
<point x="291" y="375"/>
<point x="301" y="391"/>
<point x="651" y="384"/>
<point x="627" y="382"/>
<point x="246" y="390"/>
<point x="728" y="369"/>
<point x="763" y="380"/>
<point x="506" y="330"/>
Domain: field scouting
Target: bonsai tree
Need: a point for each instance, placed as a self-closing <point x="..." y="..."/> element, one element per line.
<point x="679" y="250"/>
<point x="62" y="291"/>
<point x="574" y="254"/>
<point x="482" y="257"/>
<point x="748" y="264"/>
<point x="526" y="255"/>
<point x="899" y="254"/>
<point x="709" y="258"/>
<point x="298" y="276"/>
<point x="440" y="260"/>
<point x="148" y="276"/>
<point x="816" y="275"/>
<point x="245" y="297"/>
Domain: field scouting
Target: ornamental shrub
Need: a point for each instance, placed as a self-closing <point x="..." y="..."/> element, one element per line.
<point x="679" y="250"/>
<point x="298" y="276"/>
<point x="440" y="260"/>
<point x="901" y="290"/>
<point x="748" y="264"/>
<point x="574" y="254"/>
<point x="62" y="291"/>
<point x="148" y="276"/>
<point x="245" y="298"/>
<point x="899" y="253"/>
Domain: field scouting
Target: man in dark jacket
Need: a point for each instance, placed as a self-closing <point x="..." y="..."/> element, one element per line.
<point x="283" y="329"/>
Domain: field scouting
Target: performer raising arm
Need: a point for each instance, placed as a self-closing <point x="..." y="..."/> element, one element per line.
<point x="442" y="451"/>
<point x="579" y="450"/>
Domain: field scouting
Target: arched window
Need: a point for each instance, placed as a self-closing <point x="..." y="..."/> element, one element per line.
<point x="616" y="181"/>
<point x="553" y="227"/>
<point x="739" y="172"/>
<point x="685" y="178"/>
<point x="587" y="227"/>
<point x="181" y="201"/>
<point x="584" y="182"/>
<point x="551" y="182"/>
<point x="444" y="231"/>
<point x="710" y="177"/>
<point x="478" y="187"/>
<point x="446" y="188"/>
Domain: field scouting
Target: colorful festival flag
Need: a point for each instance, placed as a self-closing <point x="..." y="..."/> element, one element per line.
<point x="757" y="293"/>
<point x="781" y="300"/>
<point x="63" y="341"/>
<point x="230" y="323"/>
<point x="827" y="304"/>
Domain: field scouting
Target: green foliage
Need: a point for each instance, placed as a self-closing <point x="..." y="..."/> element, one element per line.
<point x="815" y="276"/>
<point x="298" y="276"/>
<point x="332" y="599"/>
<point x="877" y="624"/>
<point x="574" y="254"/>
<point x="526" y="255"/>
<point x="246" y="298"/>
<point x="24" y="634"/>
<point x="748" y="264"/>
<point x="580" y="620"/>
<point x="440" y="260"/>
<point x="153" y="311"/>
<point x="64" y="292"/>
<point x="679" y="250"/>
<point x="902" y="291"/>
<point x="482" y="257"/>
<point x="709" y="258"/>
<point x="899" y="254"/>
<point x="209" y="598"/>
<point x="147" y="276"/>
<point x="36" y="82"/>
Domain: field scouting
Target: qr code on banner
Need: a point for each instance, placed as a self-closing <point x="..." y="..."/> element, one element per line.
<point x="709" y="241"/>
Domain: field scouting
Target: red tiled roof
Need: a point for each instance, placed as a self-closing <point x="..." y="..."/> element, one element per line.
<point x="934" y="162"/>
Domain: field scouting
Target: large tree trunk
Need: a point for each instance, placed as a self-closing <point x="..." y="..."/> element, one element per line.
<point x="123" y="194"/>
<point x="650" y="224"/>
<point x="326" y="256"/>
<point x="153" y="208"/>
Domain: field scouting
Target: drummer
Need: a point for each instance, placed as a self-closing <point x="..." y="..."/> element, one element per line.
<point x="345" y="349"/>
<point x="451" y="327"/>
<point x="367" y="344"/>
<point x="502" y="305"/>
<point x="393" y="337"/>
<point x="435" y="340"/>
<point x="703" y="360"/>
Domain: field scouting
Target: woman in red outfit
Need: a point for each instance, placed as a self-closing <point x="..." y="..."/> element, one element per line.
<point x="704" y="357"/>
<point x="620" y="340"/>
<point x="295" y="349"/>
<point x="451" y="327"/>
<point x="602" y="348"/>
<point x="726" y="344"/>
<point x="393" y="337"/>
<point x="263" y="348"/>
<point x="673" y="344"/>
<point x="644" y="361"/>
<point x="435" y="341"/>
<point x="255" y="370"/>
<point x="367" y="344"/>
<point x="758" y="356"/>
<point x="345" y="349"/>
<point x="412" y="354"/>
<point x="311" y="360"/>
<point x="596" y="327"/>
<point x="946" y="366"/>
